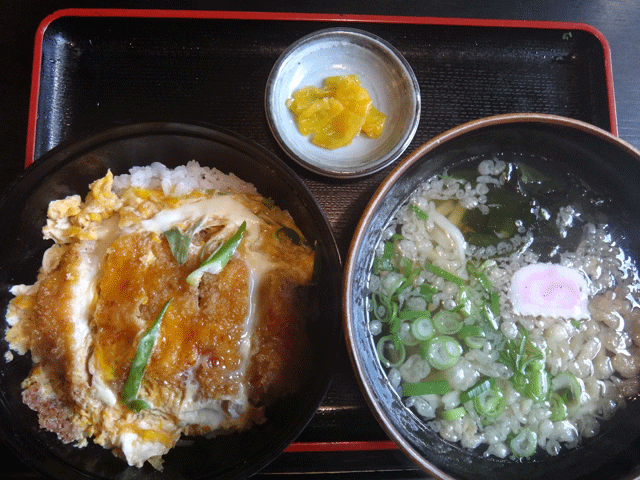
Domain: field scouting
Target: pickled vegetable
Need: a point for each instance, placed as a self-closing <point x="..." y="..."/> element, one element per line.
<point x="374" y="123"/>
<point x="336" y="113"/>
<point x="314" y="118"/>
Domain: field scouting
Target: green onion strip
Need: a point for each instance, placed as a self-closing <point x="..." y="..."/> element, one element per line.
<point x="433" y="387"/>
<point x="139" y="364"/>
<point x="219" y="258"/>
<point x="449" y="277"/>
<point x="179" y="243"/>
<point x="383" y="263"/>
<point x="453" y="414"/>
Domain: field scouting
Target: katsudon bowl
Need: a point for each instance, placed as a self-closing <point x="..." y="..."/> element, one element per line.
<point x="544" y="157"/>
<point x="68" y="170"/>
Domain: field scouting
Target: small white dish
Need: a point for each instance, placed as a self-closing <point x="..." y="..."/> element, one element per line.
<point x="382" y="70"/>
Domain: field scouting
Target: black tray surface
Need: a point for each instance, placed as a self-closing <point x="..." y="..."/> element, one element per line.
<point x="97" y="72"/>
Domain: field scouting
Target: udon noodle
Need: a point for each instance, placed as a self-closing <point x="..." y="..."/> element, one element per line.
<point x="505" y="309"/>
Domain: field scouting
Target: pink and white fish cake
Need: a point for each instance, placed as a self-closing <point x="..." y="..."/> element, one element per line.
<point x="549" y="290"/>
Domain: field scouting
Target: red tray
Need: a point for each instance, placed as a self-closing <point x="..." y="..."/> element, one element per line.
<point x="95" y="69"/>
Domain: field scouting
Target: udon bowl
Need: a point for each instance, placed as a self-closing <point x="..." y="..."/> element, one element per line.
<point x="67" y="170"/>
<point x="601" y="160"/>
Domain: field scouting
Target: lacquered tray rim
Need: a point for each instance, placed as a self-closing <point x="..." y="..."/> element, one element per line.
<point x="292" y="16"/>
<point x="310" y="17"/>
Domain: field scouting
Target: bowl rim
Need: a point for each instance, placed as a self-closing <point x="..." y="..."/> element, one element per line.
<point x="391" y="155"/>
<point x="365" y="219"/>
<point x="485" y="122"/>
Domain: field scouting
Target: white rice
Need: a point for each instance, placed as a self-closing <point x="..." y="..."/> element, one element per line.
<point x="181" y="180"/>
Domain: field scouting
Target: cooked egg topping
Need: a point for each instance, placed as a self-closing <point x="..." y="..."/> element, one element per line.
<point x="227" y="345"/>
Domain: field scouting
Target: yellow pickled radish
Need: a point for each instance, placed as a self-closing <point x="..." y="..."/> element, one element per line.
<point x="303" y="98"/>
<point x="332" y="82"/>
<point x="374" y="123"/>
<point x="353" y="96"/>
<point x="340" y="131"/>
<point x="336" y="113"/>
<point x="318" y="114"/>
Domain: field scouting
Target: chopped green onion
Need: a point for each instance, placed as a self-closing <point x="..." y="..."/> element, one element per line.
<point x="139" y="364"/>
<point x="442" y="352"/>
<point x="391" y="352"/>
<point x="558" y="408"/>
<point x="447" y="322"/>
<point x="410" y="275"/>
<point x="466" y="303"/>
<point x="518" y="355"/>
<point x="434" y="387"/>
<point x="577" y="324"/>
<point x="396" y="237"/>
<point x="393" y="289"/>
<point x="428" y="291"/>
<point x="449" y="277"/>
<point x="519" y="382"/>
<point x="524" y="444"/>
<point x="411" y="314"/>
<point x="475" y="342"/>
<point x="405" y="334"/>
<point x="383" y="263"/>
<point x="478" y="389"/>
<point x="389" y="249"/>
<point x="373" y="308"/>
<point x="458" y="309"/>
<point x="480" y="275"/>
<point x="473" y="336"/>
<point x="422" y="215"/>
<point x="495" y="303"/>
<point x="536" y="364"/>
<point x="537" y="387"/>
<point x="422" y="328"/>
<point x="392" y="311"/>
<point x="526" y="362"/>
<point x="389" y="307"/>
<point x="570" y="390"/>
<point x="394" y="324"/>
<point x="490" y="317"/>
<point x="490" y="404"/>
<point x="423" y="350"/>
<point x="218" y="259"/>
<point x="453" y="413"/>
<point x="179" y="243"/>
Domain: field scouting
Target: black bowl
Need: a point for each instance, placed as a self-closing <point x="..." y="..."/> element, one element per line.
<point x="69" y="170"/>
<point x="612" y="168"/>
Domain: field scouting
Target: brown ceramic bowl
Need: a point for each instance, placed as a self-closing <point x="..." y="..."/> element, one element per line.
<point x="601" y="160"/>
